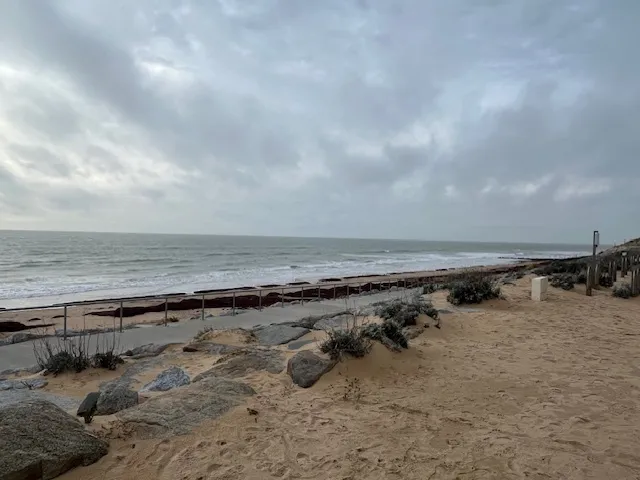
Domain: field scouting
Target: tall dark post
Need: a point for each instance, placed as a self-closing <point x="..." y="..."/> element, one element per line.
<point x="591" y="272"/>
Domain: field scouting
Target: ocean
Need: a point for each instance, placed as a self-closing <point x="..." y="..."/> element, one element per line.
<point x="41" y="268"/>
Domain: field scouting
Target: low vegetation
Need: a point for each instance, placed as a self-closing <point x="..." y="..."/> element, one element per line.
<point x="565" y="281"/>
<point x="389" y="333"/>
<point x="573" y="266"/>
<point x="351" y="341"/>
<point x="405" y="312"/>
<point x="622" y="291"/>
<point x="56" y="355"/>
<point x="473" y="289"/>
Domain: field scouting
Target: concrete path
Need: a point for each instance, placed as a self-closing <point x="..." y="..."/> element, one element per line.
<point x="21" y="355"/>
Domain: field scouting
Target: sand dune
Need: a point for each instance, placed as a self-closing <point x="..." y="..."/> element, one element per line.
<point x="512" y="389"/>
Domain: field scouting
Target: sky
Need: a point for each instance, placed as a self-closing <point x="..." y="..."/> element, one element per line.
<point x="512" y="120"/>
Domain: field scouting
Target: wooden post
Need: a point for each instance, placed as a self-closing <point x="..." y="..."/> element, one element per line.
<point x="347" y="290"/>
<point x="302" y="295"/>
<point x="259" y="299"/>
<point x="334" y="291"/>
<point x="166" y="311"/>
<point x="202" y="310"/>
<point x="590" y="277"/>
<point x="64" y="330"/>
<point x="121" y="309"/>
<point x="233" y="312"/>
<point x="282" y="299"/>
<point x="614" y="271"/>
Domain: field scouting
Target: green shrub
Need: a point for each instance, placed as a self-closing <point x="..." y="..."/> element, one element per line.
<point x="605" y="280"/>
<point x="622" y="291"/>
<point x="581" y="278"/>
<point x="108" y="360"/>
<point x="473" y="289"/>
<point x="565" y="281"/>
<point x="406" y="312"/>
<point x="560" y="266"/>
<point x="57" y="356"/>
<point x="389" y="333"/>
<point x="350" y="342"/>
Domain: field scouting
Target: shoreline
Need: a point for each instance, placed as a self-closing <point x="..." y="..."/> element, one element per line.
<point x="322" y="283"/>
<point x="106" y="314"/>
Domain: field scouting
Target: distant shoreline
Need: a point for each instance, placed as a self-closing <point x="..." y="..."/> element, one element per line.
<point x="426" y="276"/>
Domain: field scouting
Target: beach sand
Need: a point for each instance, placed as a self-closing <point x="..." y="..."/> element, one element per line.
<point x="507" y="389"/>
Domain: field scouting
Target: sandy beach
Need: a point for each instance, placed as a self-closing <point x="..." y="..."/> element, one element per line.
<point x="510" y="388"/>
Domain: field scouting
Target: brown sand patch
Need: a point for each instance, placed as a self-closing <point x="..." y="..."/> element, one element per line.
<point x="540" y="390"/>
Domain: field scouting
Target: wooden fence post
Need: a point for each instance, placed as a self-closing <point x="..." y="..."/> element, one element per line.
<point x="590" y="277"/>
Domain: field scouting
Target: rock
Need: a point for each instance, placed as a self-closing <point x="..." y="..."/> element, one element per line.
<point x="29" y="383"/>
<point x="171" y="378"/>
<point x="88" y="407"/>
<point x="8" y="397"/>
<point x="38" y="440"/>
<point x="299" y="344"/>
<point x="211" y="348"/>
<point x="20" y="337"/>
<point x="253" y="360"/>
<point x="116" y="396"/>
<point x="305" y="368"/>
<point x="178" y="411"/>
<point x="149" y="350"/>
<point x="278" y="334"/>
<point x="337" y="322"/>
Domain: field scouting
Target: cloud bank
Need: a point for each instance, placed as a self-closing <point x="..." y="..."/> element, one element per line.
<point x="463" y="120"/>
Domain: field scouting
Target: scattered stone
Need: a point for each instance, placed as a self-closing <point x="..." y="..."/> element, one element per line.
<point x="40" y="440"/>
<point x="211" y="348"/>
<point x="271" y="361"/>
<point x="116" y="396"/>
<point x="29" y="383"/>
<point x="88" y="407"/>
<point x="305" y="368"/>
<point x="172" y="377"/>
<point x="148" y="350"/>
<point x="178" y="411"/>
<point x="278" y="334"/>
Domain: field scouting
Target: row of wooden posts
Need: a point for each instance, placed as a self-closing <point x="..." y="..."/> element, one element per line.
<point x="629" y="264"/>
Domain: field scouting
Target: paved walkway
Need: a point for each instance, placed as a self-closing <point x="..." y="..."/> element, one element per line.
<point x="21" y="355"/>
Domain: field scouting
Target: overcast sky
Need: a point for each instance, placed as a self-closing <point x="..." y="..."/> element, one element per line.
<point x="509" y="120"/>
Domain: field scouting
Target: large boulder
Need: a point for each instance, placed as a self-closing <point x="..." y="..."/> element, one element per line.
<point x="146" y="351"/>
<point x="28" y="383"/>
<point x="305" y="368"/>
<point x="171" y="378"/>
<point x="116" y="396"/>
<point x="38" y="440"/>
<point x="179" y="411"/>
<point x="337" y="322"/>
<point x="211" y="348"/>
<point x="253" y="360"/>
<point x="278" y="334"/>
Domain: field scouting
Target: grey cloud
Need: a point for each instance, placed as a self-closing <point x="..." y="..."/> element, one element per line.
<point x="259" y="89"/>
